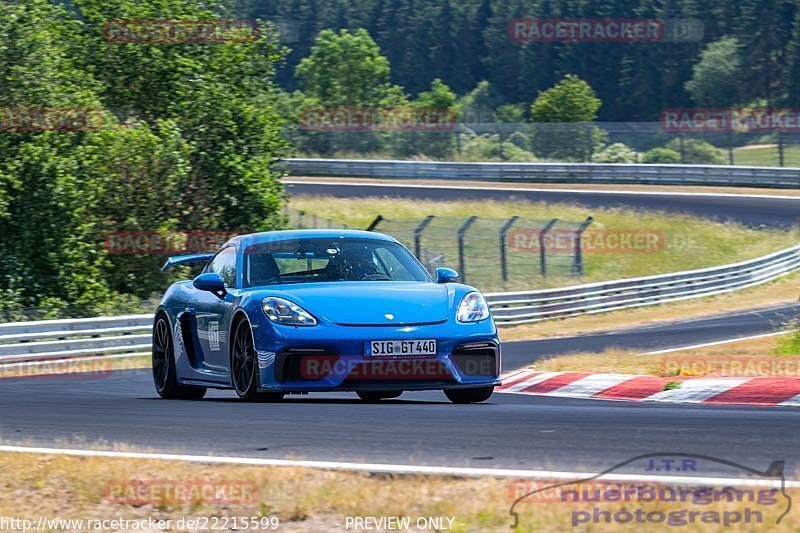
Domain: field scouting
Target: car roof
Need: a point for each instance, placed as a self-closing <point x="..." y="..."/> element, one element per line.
<point x="243" y="241"/>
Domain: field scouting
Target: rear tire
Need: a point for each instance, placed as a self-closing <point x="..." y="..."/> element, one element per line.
<point x="165" y="376"/>
<point x="476" y="395"/>
<point x="244" y="366"/>
<point x="375" y="396"/>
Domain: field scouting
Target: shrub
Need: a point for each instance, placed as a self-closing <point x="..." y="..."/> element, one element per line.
<point x="487" y="148"/>
<point x="661" y="155"/>
<point x="698" y="152"/>
<point x="615" y="153"/>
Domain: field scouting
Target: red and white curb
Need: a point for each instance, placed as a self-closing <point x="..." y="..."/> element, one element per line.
<point x="708" y="390"/>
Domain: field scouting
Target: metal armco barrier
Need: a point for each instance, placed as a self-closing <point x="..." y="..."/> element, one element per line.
<point x="58" y="339"/>
<point x="511" y="308"/>
<point x="131" y="334"/>
<point x="716" y="175"/>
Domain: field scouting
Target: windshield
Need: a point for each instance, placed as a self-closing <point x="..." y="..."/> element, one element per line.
<point x="329" y="260"/>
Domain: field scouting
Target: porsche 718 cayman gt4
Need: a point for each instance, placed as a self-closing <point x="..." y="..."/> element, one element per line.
<point x="322" y="310"/>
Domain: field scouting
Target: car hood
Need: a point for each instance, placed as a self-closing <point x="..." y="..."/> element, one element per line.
<point x="368" y="303"/>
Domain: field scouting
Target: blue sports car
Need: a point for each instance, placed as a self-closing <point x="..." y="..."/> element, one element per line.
<point x="292" y="312"/>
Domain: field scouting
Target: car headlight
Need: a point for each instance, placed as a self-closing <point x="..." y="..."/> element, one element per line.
<point x="287" y="313"/>
<point x="473" y="308"/>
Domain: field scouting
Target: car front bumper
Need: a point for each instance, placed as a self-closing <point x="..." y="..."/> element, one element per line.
<point x="333" y="358"/>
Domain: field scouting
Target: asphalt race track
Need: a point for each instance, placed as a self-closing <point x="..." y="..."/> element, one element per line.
<point x="748" y="210"/>
<point x="656" y="337"/>
<point x="509" y="431"/>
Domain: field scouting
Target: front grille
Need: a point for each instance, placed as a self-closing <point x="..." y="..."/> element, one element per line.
<point x="478" y="359"/>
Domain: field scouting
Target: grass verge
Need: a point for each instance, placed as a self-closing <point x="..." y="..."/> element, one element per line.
<point x="766" y="156"/>
<point x="776" y="356"/>
<point x="301" y="499"/>
<point x="782" y="291"/>
<point x="682" y="242"/>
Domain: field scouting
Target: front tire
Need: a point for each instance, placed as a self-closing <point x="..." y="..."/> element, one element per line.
<point x="165" y="376"/>
<point x="475" y="395"/>
<point x="244" y="367"/>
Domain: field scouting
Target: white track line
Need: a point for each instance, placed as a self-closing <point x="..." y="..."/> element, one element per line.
<point x="539" y="189"/>
<point x="717" y="343"/>
<point x="404" y="469"/>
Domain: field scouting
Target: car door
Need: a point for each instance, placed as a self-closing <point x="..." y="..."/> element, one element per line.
<point x="212" y="311"/>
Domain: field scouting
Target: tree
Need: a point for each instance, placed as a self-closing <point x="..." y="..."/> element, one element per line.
<point x="793" y="70"/>
<point x="571" y="100"/>
<point x="716" y="77"/>
<point x="570" y="104"/>
<point x="345" y="70"/>
<point x="193" y="139"/>
<point x="440" y="102"/>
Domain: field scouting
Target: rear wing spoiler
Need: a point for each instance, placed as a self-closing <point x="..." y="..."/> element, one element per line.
<point x="185" y="260"/>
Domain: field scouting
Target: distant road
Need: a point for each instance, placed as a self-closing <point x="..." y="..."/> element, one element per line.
<point x="753" y="210"/>
<point x="655" y="337"/>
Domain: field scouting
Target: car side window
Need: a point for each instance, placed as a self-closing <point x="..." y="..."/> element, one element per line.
<point x="224" y="264"/>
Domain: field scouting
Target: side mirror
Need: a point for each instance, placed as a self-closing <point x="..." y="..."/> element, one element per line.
<point x="211" y="282"/>
<point x="446" y="275"/>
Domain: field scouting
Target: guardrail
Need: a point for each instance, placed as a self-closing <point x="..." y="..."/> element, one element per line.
<point x="58" y="339"/>
<point x="511" y="308"/>
<point x="716" y="175"/>
<point x="130" y="335"/>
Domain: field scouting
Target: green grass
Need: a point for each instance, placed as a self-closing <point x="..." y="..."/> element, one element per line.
<point x="766" y="156"/>
<point x="688" y="242"/>
<point x="790" y="344"/>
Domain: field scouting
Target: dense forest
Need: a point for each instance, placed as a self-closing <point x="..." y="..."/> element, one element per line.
<point x="467" y="41"/>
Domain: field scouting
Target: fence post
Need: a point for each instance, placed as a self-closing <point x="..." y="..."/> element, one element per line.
<point x="418" y="235"/>
<point x="462" y="231"/>
<point x="375" y="223"/>
<point x="780" y="149"/>
<point x="730" y="147"/>
<point x="542" y="253"/>
<point x="503" y="234"/>
<point x="683" y="148"/>
<point x="300" y="219"/>
<point x="589" y="147"/>
<point x="577" y="261"/>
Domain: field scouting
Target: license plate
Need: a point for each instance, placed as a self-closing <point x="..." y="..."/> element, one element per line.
<point x="401" y="348"/>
